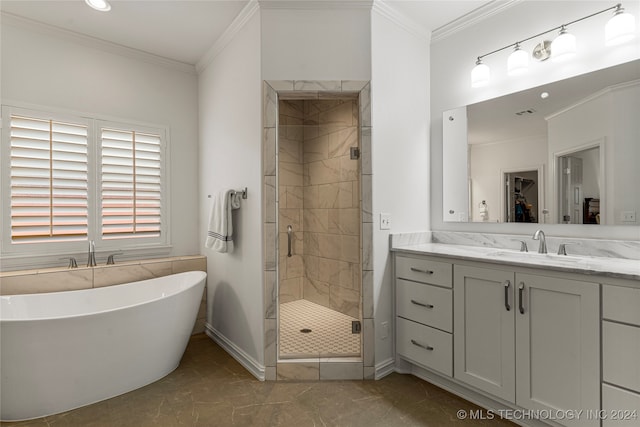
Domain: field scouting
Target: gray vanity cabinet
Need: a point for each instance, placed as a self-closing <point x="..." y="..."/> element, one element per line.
<point x="529" y="339"/>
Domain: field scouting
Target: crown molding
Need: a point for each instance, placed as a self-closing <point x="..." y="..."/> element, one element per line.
<point x="481" y="13"/>
<point x="315" y="4"/>
<point x="386" y="10"/>
<point x="232" y="30"/>
<point x="94" y="42"/>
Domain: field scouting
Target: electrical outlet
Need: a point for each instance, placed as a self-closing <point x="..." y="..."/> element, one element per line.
<point x="628" y="216"/>
<point x="384" y="330"/>
<point x="385" y="221"/>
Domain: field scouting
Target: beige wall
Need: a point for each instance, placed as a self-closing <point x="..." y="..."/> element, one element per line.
<point x="319" y="196"/>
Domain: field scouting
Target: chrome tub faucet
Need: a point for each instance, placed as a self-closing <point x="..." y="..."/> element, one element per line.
<point x="91" y="258"/>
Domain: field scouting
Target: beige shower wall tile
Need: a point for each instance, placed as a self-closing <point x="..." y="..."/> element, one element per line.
<point x="311" y="243"/>
<point x="344" y="221"/>
<point x="193" y="264"/>
<point x="310" y="196"/>
<point x="269" y="106"/>
<point x="292" y="217"/>
<point x="312" y="267"/>
<point x="293" y="197"/>
<point x="344" y="300"/>
<point x="292" y="108"/>
<point x="315" y="149"/>
<point x="66" y="280"/>
<point x="270" y="296"/>
<point x="290" y="174"/>
<point x="316" y="291"/>
<point x="365" y="137"/>
<point x="350" y="276"/>
<point x="348" y="169"/>
<point x="316" y="220"/>
<point x="290" y="290"/>
<point x="328" y="195"/>
<point x="323" y="172"/>
<point x="294" y="266"/>
<point x="329" y="270"/>
<point x="119" y="274"/>
<point x="289" y="151"/>
<point x="350" y="248"/>
<point x="339" y="115"/>
<point x="341" y="141"/>
<point x="270" y="237"/>
<point x="310" y="132"/>
<point x="329" y="246"/>
<point x="270" y="339"/>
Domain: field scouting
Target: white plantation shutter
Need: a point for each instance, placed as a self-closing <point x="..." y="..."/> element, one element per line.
<point x="131" y="192"/>
<point x="48" y="180"/>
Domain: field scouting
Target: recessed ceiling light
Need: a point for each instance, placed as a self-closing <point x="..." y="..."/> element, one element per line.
<point x="100" y="5"/>
<point x="544" y="95"/>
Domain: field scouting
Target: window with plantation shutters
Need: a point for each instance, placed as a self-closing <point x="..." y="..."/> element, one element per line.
<point x="66" y="179"/>
<point x="131" y="192"/>
<point x="48" y="180"/>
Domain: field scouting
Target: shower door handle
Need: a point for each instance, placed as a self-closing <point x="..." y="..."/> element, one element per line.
<point x="289" y="231"/>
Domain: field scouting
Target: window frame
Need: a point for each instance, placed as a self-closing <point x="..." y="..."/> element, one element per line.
<point x="48" y="253"/>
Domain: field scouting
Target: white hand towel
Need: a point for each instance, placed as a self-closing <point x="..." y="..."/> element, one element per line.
<point x="220" y="232"/>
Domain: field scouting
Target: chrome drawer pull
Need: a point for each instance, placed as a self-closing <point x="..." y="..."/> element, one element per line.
<point x="417" y="270"/>
<point x="520" y="297"/>
<point x="417" y="344"/>
<point x="507" y="285"/>
<point x="421" y="304"/>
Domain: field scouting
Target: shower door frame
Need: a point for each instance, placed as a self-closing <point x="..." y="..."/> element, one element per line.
<point x="334" y="368"/>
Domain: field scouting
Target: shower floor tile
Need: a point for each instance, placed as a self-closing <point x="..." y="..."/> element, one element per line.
<point x="330" y="334"/>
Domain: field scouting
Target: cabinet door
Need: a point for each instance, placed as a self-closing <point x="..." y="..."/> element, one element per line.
<point x="557" y="345"/>
<point x="484" y="328"/>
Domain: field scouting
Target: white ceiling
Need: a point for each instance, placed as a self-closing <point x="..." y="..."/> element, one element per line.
<point x="184" y="30"/>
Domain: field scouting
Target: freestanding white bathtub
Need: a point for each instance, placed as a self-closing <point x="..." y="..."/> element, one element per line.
<point x="64" y="350"/>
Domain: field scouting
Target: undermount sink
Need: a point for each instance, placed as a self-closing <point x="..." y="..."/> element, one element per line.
<point x="533" y="256"/>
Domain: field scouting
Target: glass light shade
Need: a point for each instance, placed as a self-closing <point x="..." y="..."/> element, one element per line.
<point x="100" y="5"/>
<point x="480" y="75"/>
<point x="620" y="29"/>
<point x="563" y="47"/>
<point x="518" y="62"/>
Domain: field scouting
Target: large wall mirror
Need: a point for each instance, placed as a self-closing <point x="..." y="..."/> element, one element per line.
<point x="564" y="153"/>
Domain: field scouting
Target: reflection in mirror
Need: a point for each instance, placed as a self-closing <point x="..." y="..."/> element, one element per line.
<point x="566" y="152"/>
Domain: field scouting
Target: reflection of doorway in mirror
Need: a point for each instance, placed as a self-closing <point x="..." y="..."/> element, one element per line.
<point x="579" y="191"/>
<point x="521" y="196"/>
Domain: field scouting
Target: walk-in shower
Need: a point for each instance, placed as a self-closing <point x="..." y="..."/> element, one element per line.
<point x="319" y="228"/>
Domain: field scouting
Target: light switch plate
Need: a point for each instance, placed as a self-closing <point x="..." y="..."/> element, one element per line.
<point x="628" y="216"/>
<point x="385" y="221"/>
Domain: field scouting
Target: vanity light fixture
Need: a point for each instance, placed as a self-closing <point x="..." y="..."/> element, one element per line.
<point x="518" y="62"/>
<point x="100" y="5"/>
<point x="619" y="29"/>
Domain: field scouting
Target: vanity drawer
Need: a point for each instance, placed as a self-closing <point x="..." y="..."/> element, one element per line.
<point x="424" y="270"/>
<point x="430" y="305"/>
<point x="621" y="355"/>
<point x="621" y="304"/>
<point x="426" y="346"/>
<point x="621" y="407"/>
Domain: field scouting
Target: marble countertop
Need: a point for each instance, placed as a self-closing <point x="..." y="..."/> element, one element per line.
<point x="598" y="266"/>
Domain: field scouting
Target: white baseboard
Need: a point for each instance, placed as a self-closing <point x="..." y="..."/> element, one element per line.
<point x="255" y="368"/>
<point x="384" y="368"/>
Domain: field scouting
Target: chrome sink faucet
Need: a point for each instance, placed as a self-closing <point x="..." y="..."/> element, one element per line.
<point x="91" y="258"/>
<point x="539" y="235"/>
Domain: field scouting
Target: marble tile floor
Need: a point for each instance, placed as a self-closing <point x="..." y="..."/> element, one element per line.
<point x="330" y="334"/>
<point x="210" y="388"/>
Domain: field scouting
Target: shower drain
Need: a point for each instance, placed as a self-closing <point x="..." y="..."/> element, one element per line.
<point x="305" y="330"/>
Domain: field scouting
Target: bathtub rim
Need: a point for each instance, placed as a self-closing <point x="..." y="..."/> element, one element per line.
<point x="202" y="274"/>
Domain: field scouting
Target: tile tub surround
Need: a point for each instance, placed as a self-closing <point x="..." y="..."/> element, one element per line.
<point x="210" y="388"/>
<point x="65" y="279"/>
<point x="290" y="89"/>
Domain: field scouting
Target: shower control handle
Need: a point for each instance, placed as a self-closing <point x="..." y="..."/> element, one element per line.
<point x="289" y="231"/>
<point x="417" y="344"/>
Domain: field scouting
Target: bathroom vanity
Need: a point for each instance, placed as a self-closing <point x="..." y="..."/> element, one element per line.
<point x="546" y="335"/>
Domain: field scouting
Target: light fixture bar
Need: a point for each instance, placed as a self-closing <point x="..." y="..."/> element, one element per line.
<point x="617" y="6"/>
